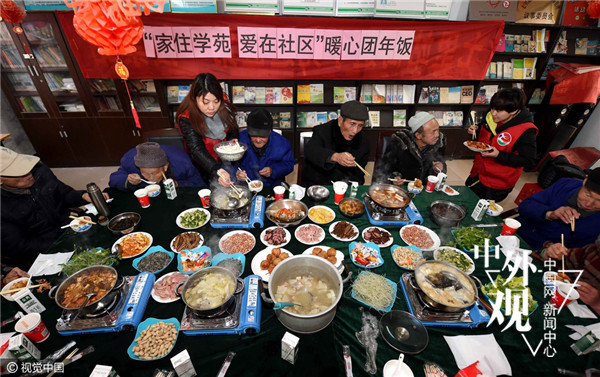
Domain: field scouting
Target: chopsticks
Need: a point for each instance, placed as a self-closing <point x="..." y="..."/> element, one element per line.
<point x="18" y="289"/>
<point x="361" y="168"/>
<point x="247" y="179"/>
<point x="66" y="359"/>
<point x="82" y="220"/>
<point x="232" y="186"/>
<point x="573" y="224"/>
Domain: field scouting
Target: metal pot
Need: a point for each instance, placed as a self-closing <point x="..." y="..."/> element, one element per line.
<point x="428" y="281"/>
<point x="93" y="307"/>
<point x="212" y="312"/>
<point x="441" y="212"/>
<point x="376" y="190"/>
<point x="302" y="265"/>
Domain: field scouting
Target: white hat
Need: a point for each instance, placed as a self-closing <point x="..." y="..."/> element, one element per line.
<point x="13" y="164"/>
<point x="418" y="120"/>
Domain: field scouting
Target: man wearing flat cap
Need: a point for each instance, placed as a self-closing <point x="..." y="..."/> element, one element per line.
<point x="152" y="162"/>
<point x="414" y="152"/>
<point x="35" y="204"/>
<point x="336" y="147"/>
<point x="269" y="157"/>
<point x="546" y="215"/>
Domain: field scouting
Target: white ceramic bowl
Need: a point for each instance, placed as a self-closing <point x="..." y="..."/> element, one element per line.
<point x="256" y="186"/>
<point x="413" y="189"/>
<point x="10" y="285"/>
<point x="80" y="226"/>
<point x="495" y="212"/>
<point x="153" y="190"/>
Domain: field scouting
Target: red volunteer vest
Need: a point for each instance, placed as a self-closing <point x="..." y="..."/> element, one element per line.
<point x="491" y="173"/>
<point x="210" y="143"/>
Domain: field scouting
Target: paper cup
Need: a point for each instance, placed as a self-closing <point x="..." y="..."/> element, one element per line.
<point x="432" y="181"/>
<point x="561" y="295"/>
<point x="510" y="227"/>
<point x="204" y="195"/>
<point x="339" y="188"/>
<point x="279" y="191"/>
<point x="32" y="327"/>
<point x="142" y="197"/>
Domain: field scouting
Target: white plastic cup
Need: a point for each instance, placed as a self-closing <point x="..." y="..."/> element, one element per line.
<point x="142" y="197"/>
<point x="31" y="326"/>
<point x="510" y="227"/>
<point x="204" y="195"/>
<point x="279" y="191"/>
<point x="432" y="181"/>
<point x="339" y="188"/>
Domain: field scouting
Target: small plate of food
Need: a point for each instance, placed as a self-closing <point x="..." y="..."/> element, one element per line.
<point x="275" y="236"/>
<point x="155" y="260"/>
<point x="321" y="214"/>
<point x="477" y="146"/>
<point x="132" y="244"/>
<point x="378" y="236"/>
<point x="163" y="290"/>
<point x="186" y="241"/>
<point x="154" y="339"/>
<point x="450" y="191"/>
<point x="266" y="260"/>
<point x="193" y="218"/>
<point x="332" y="255"/>
<point x="407" y="257"/>
<point x="343" y="231"/>
<point x="365" y="255"/>
<point x="190" y="261"/>
<point x="455" y="257"/>
<point x="310" y="234"/>
<point x="237" y="241"/>
<point x="420" y="236"/>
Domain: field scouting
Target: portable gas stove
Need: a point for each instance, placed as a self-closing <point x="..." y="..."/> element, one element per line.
<point x="124" y="313"/>
<point x="242" y="317"/>
<point x="475" y="316"/>
<point x="246" y="217"/>
<point x="379" y="215"/>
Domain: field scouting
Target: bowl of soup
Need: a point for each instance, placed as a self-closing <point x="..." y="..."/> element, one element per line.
<point x="153" y="190"/>
<point x="256" y="185"/>
<point x="314" y="285"/>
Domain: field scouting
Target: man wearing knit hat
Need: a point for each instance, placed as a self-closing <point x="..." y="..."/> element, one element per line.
<point x="414" y="152"/>
<point x="546" y="215"/>
<point x="149" y="163"/>
<point x="336" y="147"/>
<point x="269" y="157"/>
<point x="35" y="204"/>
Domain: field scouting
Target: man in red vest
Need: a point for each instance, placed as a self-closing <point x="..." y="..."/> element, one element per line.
<point x="509" y="131"/>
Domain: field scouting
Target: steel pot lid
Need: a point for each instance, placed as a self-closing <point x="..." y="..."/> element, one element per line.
<point x="404" y="332"/>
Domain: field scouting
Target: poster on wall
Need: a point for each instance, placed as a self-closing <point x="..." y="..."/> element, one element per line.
<point x="437" y="9"/>
<point x="193" y="6"/>
<point x="493" y="10"/>
<point x="400" y="8"/>
<point x="309" y="7"/>
<point x="355" y="8"/>
<point x="254" y="6"/>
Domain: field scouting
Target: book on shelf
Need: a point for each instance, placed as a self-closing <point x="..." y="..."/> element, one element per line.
<point x="444" y="94"/>
<point x="20" y="81"/>
<point x="466" y="94"/>
<point x="501" y="43"/>
<point x="529" y="68"/>
<point x="316" y="93"/>
<point x="519" y="85"/>
<point x="434" y="94"/>
<point x="183" y="92"/>
<point x="301" y="119"/>
<point x="350" y="93"/>
<point x="374" y="119"/>
<point x="378" y="93"/>
<point x="311" y="119"/>
<point x="333" y="115"/>
<point x="285" y="119"/>
<point x="303" y="93"/>
<point x="238" y="94"/>
<point x="592" y="47"/>
<point x="399" y="119"/>
<point x="581" y="46"/>
<point x="278" y="95"/>
<point x="269" y="96"/>
<point x="518" y="66"/>
<point x="507" y="70"/>
<point x="240" y="118"/>
<point x="452" y="118"/>
<point x="454" y="93"/>
<point x="389" y="93"/>
<point x="493" y="70"/>
<point x="366" y="93"/>
<point x="276" y="117"/>
<point x="259" y="92"/>
<point x="562" y="44"/>
<point x="172" y="94"/>
<point x="339" y="94"/>
<point x="509" y="42"/>
<point x="537" y="96"/>
<point x="408" y="93"/>
<point x="398" y="96"/>
<point x="321" y="117"/>
<point x="287" y="95"/>
<point x="250" y="94"/>
<point x="424" y="96"/>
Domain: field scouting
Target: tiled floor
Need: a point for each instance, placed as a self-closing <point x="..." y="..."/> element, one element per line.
<point x="458" y="171"/>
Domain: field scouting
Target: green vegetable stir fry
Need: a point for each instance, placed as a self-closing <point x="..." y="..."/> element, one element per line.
<point x="84" y="258"/>
<point x="516" y="287"/>
<point x="193" y="219"/>
<point x="455" y="258"/>
<point x="470" y="236"/>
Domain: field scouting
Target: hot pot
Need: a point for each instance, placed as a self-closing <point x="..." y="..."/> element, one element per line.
<point x="379" y="191"/>
<point x="445" y="213"/>
<point x="220" y="201"/>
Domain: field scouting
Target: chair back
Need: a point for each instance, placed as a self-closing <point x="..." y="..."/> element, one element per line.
<point x="165" y="136"/>
<point x="304" y="139"/>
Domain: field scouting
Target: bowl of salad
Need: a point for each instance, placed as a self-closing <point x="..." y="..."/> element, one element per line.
<point x="455" y="257"/>
<point x="193" y="218"/>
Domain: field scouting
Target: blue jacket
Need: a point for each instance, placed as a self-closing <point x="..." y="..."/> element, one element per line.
<point x="536" y="230"/>
<point x="180" y="169"/>
<point x="279" y="157"/>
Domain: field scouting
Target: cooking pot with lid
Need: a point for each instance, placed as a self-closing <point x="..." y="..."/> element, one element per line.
<point x="389" y="196"/>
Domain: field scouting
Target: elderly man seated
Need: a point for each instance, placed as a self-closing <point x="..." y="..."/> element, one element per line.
<point x="570" y="207"/>
<point x="152" y="162"/>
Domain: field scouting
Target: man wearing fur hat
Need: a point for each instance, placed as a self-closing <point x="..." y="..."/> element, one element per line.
<point x="152" y="162"/>
<point x="415" y="152"/>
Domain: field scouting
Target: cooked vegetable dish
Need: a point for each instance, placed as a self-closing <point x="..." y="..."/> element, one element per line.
<point x="455" y="258"/>
<point x="210" y="290"/>
<point x="98" y="282"/>
<point x="193" y="219"/>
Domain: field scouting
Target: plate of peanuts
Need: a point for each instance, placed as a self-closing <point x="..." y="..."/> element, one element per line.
<point x="154" y="339"/>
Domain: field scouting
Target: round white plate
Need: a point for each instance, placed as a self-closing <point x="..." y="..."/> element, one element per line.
<point x="338" y="254"/>
<point x="157" y="298"/>
<point x="288" y="236"/>
<point x="475" y="149"/>
<point x="325" y="208"/>
<point x="318" y="241"/>
<point x="178" y="221"/>
<point x="470" y="271"/>
<point x="226" y="236"/>
<point x="434" y="237"/>
<point x="389" y="243"/>
<point x="261" y="256"/>
<point x="343" y="239"/>
<point x="173" y="241"/>
<point x="114" y="246"/>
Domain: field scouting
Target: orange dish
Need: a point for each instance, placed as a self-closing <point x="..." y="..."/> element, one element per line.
<point x="478" y="145"/>
<point x="133" y="245"/>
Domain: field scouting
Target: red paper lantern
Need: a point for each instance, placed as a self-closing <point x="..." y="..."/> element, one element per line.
<point x="593" y="9"/>
<point x="11" y="12"/>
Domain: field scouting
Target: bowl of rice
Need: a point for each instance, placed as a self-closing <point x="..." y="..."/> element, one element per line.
<point x="230" y="150"/>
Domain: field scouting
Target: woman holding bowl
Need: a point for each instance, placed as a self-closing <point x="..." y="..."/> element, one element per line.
<point x="205" y="118"/>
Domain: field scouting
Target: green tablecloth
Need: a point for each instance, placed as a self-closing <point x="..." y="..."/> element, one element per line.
<point x="319" y="354"/>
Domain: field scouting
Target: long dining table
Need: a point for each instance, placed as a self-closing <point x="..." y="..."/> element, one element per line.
<point x="320" y="354"/>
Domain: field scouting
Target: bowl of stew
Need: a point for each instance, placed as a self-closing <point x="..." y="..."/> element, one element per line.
<point x="124" y="223"/>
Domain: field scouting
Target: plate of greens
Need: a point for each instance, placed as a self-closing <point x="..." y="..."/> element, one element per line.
<point x="468" y="237"/>
<point x="193" y="218"/>
<point x="515" y="285"/>
<point x="455" y="257"/>
<point x="85" y="258"/>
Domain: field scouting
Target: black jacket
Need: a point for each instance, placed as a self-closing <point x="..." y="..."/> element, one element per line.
<point x="326" y="140"/>
<point x="403" y="158"/>
<point x="31" y="222"/>
<point x="196" y="147"/>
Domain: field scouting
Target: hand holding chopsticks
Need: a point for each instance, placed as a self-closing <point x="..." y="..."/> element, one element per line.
<point x="246" y="179"/>
<point x="226" y="178"/>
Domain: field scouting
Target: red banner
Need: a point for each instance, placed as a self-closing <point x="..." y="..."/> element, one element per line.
<point x="441" y="51"/>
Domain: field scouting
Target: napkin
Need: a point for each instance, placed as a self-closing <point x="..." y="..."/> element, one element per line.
<point x="468" y="349"/>
<point x="91" y="208"/>
<point x="49" y="264"/>
<point x="299" y="191"/>
<point x="580" y="310"/>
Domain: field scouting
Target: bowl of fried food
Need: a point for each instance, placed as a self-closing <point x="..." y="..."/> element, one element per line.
<point x="124" y="223"/>
<point x="351" y="207"/>
<point x="415" y="187"/>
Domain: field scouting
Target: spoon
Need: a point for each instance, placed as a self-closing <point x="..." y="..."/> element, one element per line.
<point x="232" y="202"/>
<point x="89" y="296"/>
<point x="148" y="182"/>
<point x="398" y="365"/>
<point x="281" y="305"/>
